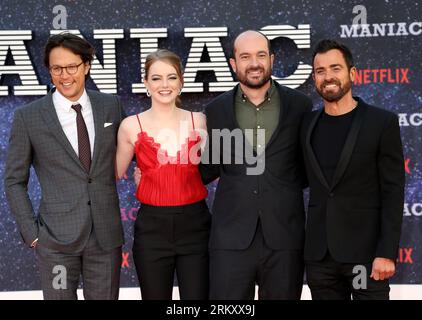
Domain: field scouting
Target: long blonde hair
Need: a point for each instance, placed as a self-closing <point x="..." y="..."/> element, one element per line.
<point x="169" y="57"/>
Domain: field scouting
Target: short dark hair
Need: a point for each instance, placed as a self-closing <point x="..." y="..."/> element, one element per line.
<point x="232" y="51"/>
<point x="74" y="43"/>
<point x="327" y="45"/>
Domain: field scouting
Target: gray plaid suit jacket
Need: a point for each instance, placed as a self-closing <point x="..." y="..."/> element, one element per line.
<point x="73" y="200"/>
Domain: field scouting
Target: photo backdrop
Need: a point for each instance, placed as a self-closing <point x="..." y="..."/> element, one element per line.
<point x="384" y="36"/>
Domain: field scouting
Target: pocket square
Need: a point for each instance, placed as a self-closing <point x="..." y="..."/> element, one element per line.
<point x="107" y="124"/>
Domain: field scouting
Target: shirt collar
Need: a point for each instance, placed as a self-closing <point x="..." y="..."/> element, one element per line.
<point x="268" y="94"/>
<point x="67" y="104"/>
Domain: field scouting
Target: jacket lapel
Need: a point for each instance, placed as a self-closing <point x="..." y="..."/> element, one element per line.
<point x="231" y="114"/>
<point x="284" y="105"/>
<point x="52" y="122"/>
<point x="348" y="146"/>
<point x="98" y="114"/>
<point x="311" y="155"/>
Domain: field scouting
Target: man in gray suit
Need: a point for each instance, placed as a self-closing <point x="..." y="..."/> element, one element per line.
<point x="69" y="137"/>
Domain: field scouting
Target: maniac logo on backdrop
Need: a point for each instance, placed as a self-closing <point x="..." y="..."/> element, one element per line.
<point x="412" y="210"/>
<point x="410" y="119"/>
<point x="381" y="29"/>
<point x="104" y="74"/>
<point x="360" y="28"/>
<point x="128" y="214"/>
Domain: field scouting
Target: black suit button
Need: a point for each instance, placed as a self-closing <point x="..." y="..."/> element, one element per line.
<point x="89" y="202"/>
<point x="331" y="194"/>
<point x="89" y="180"/>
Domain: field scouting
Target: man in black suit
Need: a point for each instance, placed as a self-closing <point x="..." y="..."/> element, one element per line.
<point x="354" y="162"/>
<point x="258" y="219"/>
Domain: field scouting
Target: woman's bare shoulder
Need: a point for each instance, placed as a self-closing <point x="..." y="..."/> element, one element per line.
<point x="200" y="119"/>
<point x="130" y="123"/>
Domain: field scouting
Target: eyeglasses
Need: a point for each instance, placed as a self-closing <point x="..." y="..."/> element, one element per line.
<point x="71" y="69"/>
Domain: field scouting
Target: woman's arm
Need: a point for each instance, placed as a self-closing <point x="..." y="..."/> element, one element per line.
<point x="125" y="148"/>
<point x="201" y="127"/>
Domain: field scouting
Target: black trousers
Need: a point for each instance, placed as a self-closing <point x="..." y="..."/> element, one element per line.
<point x="172" y="239"/>
<point x="234" y="273"/>
<point x="61" y="272"/>
<point x="332" y="280"/>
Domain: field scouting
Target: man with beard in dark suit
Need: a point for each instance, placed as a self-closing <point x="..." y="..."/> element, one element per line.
<point x="257" y="229"/>
<point x="354" y="162"/>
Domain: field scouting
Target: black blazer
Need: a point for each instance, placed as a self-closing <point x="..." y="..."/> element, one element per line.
<point x="358" y="217"/>
<point x="275" y="195"/>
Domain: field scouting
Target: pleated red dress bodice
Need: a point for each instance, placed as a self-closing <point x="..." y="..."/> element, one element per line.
<point x="169" y="180"/>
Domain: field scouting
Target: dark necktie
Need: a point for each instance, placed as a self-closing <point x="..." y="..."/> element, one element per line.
<point x="84" y="147"/>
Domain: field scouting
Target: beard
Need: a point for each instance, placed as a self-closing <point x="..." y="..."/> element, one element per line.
<point x="254" y="84"/>
<point x="334" y="96"/>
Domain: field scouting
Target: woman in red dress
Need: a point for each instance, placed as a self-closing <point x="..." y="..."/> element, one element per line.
<point x="172" y="227"/>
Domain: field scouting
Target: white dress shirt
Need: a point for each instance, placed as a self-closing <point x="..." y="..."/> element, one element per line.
<point x="67" y="118"/>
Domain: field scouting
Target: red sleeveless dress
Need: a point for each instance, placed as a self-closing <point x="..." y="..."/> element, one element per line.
<point x="169" y="180"/>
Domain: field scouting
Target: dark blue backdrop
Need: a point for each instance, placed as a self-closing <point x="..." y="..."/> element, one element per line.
<point x="402" y="95"/>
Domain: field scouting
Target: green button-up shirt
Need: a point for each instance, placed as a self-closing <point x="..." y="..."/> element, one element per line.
<point x="263" y="116"/>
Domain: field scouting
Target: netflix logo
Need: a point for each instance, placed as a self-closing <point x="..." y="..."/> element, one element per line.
<point x="125" y="260"/>
<point x="405" y="256"/>
<point x="388" y="75"/>
<point x="407" y="165"/>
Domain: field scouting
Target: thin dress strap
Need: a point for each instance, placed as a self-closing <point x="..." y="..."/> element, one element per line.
<point x="193" y="122"/>
<point x="137" y="117"/>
